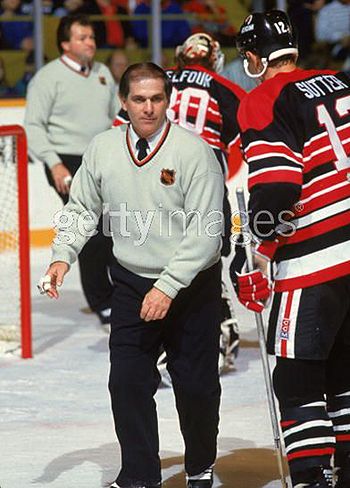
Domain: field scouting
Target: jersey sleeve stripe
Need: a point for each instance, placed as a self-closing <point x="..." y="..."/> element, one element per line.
<point x="266" y="155"/>
<point x="273" y="145"/>
<point x="276" y="176"/>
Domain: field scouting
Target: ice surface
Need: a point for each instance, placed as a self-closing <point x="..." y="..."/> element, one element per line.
<point x="55" y="420"/>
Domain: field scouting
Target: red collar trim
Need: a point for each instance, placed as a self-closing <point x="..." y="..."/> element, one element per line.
<point x="152" y="153"/>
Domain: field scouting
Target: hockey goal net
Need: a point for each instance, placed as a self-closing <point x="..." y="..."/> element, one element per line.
<point x="15" y="304"/>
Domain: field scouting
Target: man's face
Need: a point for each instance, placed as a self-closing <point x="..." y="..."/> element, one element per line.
<point x="146" y="105"/>
<point x="81" y="46"/>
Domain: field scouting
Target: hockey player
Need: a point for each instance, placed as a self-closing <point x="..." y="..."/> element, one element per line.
<point x="204" y="102"/>
<point x="295" y="130"/>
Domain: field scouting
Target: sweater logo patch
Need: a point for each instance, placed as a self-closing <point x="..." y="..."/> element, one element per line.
<point x="167" y="176"/>
<point x="102" y="80"/>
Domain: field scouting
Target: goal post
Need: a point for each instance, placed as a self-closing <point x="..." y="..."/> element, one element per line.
<point x="15" y="299"/>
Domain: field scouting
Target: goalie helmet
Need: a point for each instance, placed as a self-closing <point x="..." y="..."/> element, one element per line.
<point x="201" y="47"/>
<point x="269" y="35"/>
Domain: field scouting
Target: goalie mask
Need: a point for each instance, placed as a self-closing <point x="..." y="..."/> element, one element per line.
<point x="201" y="47"/>
<point x="269" y="35"/>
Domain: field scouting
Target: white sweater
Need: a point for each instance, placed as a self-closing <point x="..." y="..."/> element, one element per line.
<point x="165" y="215"/>
<point x="65" y="109"/>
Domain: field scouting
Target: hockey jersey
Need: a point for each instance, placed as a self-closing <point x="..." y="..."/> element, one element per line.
<point x="295" y="131"/>
<point x="207" y="104"/>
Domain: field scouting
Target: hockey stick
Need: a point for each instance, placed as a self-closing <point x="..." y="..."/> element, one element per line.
<point x="264" y="357"/>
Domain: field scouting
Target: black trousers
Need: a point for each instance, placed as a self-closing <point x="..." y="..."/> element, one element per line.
<point x="190" y="337"/>
<point x="96" y="256"/>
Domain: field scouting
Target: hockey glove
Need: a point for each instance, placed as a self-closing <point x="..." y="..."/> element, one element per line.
<point x="252" y="290"/>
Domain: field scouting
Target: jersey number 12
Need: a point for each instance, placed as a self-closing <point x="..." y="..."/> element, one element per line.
<point x="342" y="107"/>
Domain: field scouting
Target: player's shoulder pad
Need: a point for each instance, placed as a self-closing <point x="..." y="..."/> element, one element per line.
<point x="256" y="110"/>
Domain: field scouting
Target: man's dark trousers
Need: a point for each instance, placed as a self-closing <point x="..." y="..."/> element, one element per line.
<point x="190" y="336"/>
<point x="95" y="257"/>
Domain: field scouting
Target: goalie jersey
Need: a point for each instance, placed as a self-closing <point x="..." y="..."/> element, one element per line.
<point x="295" y="131"/>
<point x="207" y="104"/>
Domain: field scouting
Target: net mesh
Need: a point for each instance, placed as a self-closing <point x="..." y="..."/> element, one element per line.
<point x="9" y="243"/>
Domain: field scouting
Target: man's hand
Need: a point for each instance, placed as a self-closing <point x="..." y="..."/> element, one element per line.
<point x="53" y="278"/>
<point x="61" y="177"/>
<point x="155" y="305"/>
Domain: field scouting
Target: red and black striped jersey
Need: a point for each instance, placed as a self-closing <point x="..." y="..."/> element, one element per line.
<point x="295" y="131"/>
<point x="206" y="103"/>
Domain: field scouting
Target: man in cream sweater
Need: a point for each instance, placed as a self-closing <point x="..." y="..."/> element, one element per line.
<point x="164" y="190"/>
<point x="70" y="100"/>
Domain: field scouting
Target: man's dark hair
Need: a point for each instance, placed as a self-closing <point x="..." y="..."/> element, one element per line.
<point x="65" y="25"/>
<point x="140" y="71"/>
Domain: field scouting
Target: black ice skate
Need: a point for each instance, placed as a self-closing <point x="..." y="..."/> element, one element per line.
<point x="203" y="480"/>
<point x="315" y="478"/>
<point x="343" y="475"/>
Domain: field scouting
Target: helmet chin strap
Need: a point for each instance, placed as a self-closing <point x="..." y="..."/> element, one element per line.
<point x="255" y="75"/>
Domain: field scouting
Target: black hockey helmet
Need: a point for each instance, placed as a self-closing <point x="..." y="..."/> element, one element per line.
<point x="269" y="35"/>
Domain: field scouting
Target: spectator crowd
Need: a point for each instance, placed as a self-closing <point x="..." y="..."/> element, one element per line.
<point x="323" y="28"/>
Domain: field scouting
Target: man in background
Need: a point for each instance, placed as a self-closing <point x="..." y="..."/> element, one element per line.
<point x="117" y="63"/>
<point x="69" y="101"/>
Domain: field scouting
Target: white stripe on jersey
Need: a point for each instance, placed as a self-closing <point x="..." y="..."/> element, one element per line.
<point x="320" y="178"/>
<point x="293" y="321"/>
<point x="314" y="404"/>
<point x="275" y="168"/>
<point x="310" y="442"/>
<point x="322" y="213"/>
<point x="325" y="134"/>
<point x="211" y="110"/>
<point x="272" y="144"/>
<point x="307" y="425"/>
<point x="311" y="263"/>
<point x="317" y="152"/>
<point x="291" y="324"/>
<point x="208" y="129"/>
<point x="234" y="140"/>
<point x="273" y="155"/>
<point x="340" y="428"/>
<point x="347" y="393"/>
<point x="339" y="413"/>
<point x="322" y="192"/>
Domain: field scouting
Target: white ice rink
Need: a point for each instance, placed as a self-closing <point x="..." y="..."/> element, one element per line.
<point x="55" y="420"/>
